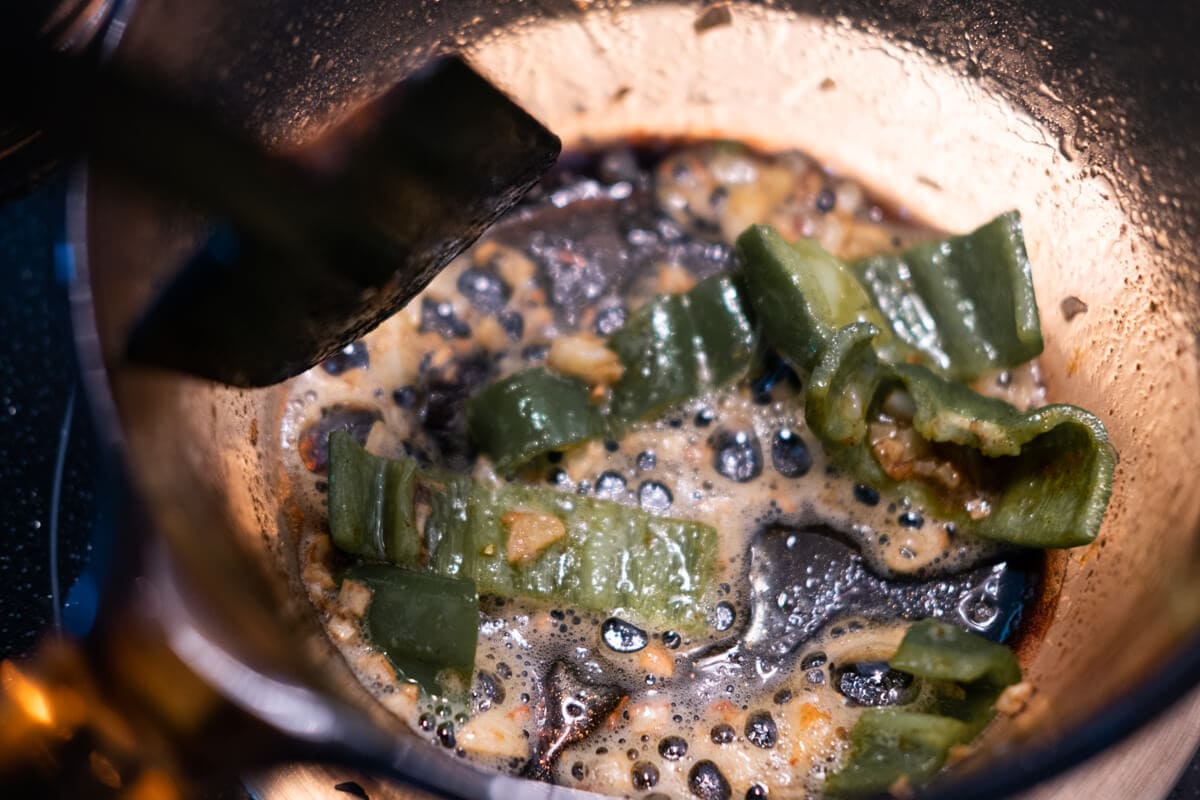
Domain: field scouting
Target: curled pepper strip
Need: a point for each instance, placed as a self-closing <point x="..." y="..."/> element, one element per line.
<point x="965" y="304"/>
<point x="673" y="348"/>
<point x="530" y="413"/>
<point x="887" y="745"/>
<point x="1038" y="479"/>
<point x="679" y="345"/>
<point x="963" y="675"/>
<point x="800" y="294"/>
<point x="585" y="552"/>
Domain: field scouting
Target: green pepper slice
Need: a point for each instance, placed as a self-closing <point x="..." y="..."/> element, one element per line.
<point x="371" y="503"/>
<point x="888" y="744"/>
<point x="679" y="346"/>
<point x="939" y="651"/>
<point x="1039" y="479"/>
<point x="801" y="295"/>
<point x="965" y="303"/>
<point x="531" y="413"/>
<point x="425" y="624"/>
<point x="965" y="673"/>
<point x="674" y="347"/>
<point x="610" y="558"/>
<point x="613" y="558"/>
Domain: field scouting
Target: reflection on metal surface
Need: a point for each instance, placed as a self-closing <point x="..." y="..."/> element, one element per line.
<point x="64" y="438"/>
<point x="288" y="707"/>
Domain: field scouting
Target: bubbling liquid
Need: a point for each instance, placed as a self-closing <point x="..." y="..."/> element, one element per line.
<point x="817" y="574"/>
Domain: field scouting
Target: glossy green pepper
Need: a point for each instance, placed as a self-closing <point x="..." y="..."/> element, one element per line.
<point x="800" y="294"/>
<point x="531" y="413"/>
<point x="673" y="348"/>
<point x="678" y="346"/>
<point x="964" y="303"/>
<point x="425" y="624"/>
<point x="1040" y="479"/>
<point x="887" y="745"/>
<point x="605" y="556"/>
<point x="370" y="499"/>
<point x="940" y="651"/>
<point x="962" y="674"/>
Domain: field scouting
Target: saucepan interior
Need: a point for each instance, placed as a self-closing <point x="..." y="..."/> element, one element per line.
<point x="953" y="130"/>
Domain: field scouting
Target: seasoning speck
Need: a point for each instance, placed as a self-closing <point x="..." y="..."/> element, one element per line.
<point x="1071" y="307"/>
<point x="713" y="17"/>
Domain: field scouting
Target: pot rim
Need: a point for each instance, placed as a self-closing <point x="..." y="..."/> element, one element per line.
<point x="1005" y="776"/>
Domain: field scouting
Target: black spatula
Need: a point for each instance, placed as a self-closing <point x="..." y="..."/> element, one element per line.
<point x="308" y="250"/>
<point x="339" y="237"/>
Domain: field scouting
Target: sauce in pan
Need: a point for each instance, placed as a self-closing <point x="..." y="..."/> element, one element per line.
<point x="818" y="575"/>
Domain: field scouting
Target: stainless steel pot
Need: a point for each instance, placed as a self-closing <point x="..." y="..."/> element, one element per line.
<point x="1083" y="115"/>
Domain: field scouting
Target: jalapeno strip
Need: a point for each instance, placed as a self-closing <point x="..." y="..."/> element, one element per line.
<point x="679" y="346"/>
<point x="963" y="673"/>
<point x="531" y="413"/>
<point x="521" y="541"/>
<point x="673" y="348"/>
<point x="425" y="624"/>
<point x="964" y="303"/>
<point x="1040" y="479"/>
